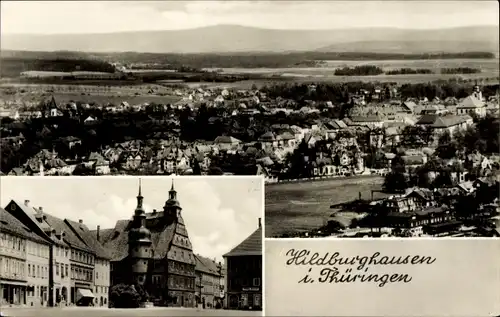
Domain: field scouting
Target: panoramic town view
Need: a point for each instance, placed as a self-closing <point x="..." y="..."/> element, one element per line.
<point x="103" y="247"/>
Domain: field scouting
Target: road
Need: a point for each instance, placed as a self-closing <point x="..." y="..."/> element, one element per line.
<point x="107" y="312"/>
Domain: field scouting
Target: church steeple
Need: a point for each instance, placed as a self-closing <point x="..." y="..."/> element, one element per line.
<point x="172" y="207"/>
<point x="172" y="194"/>
<point x="139" y="210"/>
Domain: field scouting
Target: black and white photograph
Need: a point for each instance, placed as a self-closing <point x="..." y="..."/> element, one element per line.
<point x="130" y="246"/>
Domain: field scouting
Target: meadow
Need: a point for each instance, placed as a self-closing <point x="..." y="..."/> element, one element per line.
<point x="325" y="71"/>
<point x="139" y="94"/>
<point x="303" y="206"/>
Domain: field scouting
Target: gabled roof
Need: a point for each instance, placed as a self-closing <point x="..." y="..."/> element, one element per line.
<point x="115" y="241"/>
<point x="471" y="102"/>
<point x="286" y="136"/>
<point x="366" y="119"/>
<point x="268" y="136"/>
<point x="436" y="121"/>
<point x="410" y="105"/>
<point x="83" y="232"/>
<point x="9" y="223"/>
<point x="250" y="246"/>
<point x="226" y="139"/>
<point x="413" y="159"/>
<point x="70" y="237"/>
<point x="206" y="265"/>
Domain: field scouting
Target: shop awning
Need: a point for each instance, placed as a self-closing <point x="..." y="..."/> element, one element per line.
<point x="14" y="283"/>
<point x="83" y="293"/>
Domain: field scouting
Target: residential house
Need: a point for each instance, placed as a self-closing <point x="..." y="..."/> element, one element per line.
<point x="414" y="161"/>
<point x="98" y="164"/>
<point x="113" y="154"/>
<point x="310" y="140"/>
<point x="24" y="263"/>
<point x="244" y="273"/>
<point x="226" y="142"/>
<point x="13" y="114"/>
<point x="90" y="120"/>
<point x="268" y="140"/>
<point x="132" y="159"/>
<point x="333" y="127"/>
<point x="370" y="121"/>
<point x="440" y="124"/>
<point x="101" y="264"/>
<point x="323" y="166"/>
<point x="408" y="106"/>
<point x="286" y="140"/>
<point x="208" y="288"/>
<point x="63" y="240"/>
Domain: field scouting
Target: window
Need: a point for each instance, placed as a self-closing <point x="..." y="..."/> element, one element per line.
<point x="38" y="271"/>
<point x="66" y="269"/>
<point x="96" y="275"/>
<point x="57" y="269"/>
<point x="29" y="269"/>
<point x="256" y="281"/>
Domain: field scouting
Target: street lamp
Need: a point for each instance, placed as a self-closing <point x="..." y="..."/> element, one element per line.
<point x="201" y="302"/>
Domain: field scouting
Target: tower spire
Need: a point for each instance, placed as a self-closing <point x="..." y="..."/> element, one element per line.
<point x="172" y="194"/>
<point x="139" y="188"/>
<point x="139" y="209"/>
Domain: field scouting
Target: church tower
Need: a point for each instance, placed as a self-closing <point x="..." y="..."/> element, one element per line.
<point x="476" y="92"/>
<point x="172" y="208"/>
<point x="139" y="242"/>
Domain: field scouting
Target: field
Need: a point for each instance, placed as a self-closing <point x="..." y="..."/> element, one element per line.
<point x="303" y="206"/>
<point x="324" y="72"/>
<point x="105" y="312"/>
<point x="486" y="65"/>
<point x="138" y="94"/>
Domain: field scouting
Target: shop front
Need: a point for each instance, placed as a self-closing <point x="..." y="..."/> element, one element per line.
<point x="84" y="297"/>
<point x="13" y="293"/>
<point x="251" y="298"/>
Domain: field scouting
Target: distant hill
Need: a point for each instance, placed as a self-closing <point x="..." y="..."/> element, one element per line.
<point x="412" y="47"/>
<point x="232" y="38"/>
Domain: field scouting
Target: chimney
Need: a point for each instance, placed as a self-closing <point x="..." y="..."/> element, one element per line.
<point x="27" y="203"/>
<point x="154" y="211"/>
<point x="40" y="209"/>
<point x="98" y="232"/>
<point x="80" y="221"/>
<point x="260" y="222"/>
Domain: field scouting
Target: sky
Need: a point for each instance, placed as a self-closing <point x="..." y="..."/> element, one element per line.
<point x="219" y="212"/>
<point x="51" y="17"/>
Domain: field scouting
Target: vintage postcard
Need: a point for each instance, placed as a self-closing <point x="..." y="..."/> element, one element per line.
<point x="165" y="246"/>
<point x="330" y="131"/>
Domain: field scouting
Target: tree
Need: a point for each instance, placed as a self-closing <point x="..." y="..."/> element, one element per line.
<point x="124" y="296"/>
<point x="196" y="167"/>
<point x="375" y="159"/>
<point x="395" y="182"/>
<point x="447" y="148"/>
<point x="213" y="170"/>
<point x="82" y="170"/>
